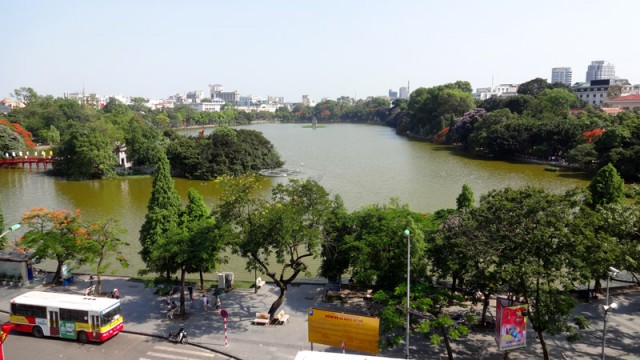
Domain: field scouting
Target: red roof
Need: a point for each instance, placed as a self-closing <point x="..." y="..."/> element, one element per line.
<point x="612" y="110"/>
<point x="632" y="97"/>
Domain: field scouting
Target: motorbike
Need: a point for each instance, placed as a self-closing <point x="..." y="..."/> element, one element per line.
<point x="179" y="336"/>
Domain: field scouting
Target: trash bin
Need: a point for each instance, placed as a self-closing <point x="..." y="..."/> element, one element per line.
<point x="67" y="281"/>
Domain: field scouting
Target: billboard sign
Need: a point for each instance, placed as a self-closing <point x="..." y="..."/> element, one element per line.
<point x="357" y="332"/>
<point x="511" y="324"/>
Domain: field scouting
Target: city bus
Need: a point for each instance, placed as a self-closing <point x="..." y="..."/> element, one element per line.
<point x="85" y="318"/>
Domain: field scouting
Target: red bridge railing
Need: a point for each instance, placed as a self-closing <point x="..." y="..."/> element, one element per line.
<point x="14" y="163"/>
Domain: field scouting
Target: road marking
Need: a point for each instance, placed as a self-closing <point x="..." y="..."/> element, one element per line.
<point x="168" y="356"/>
<point x="168" y="348"/>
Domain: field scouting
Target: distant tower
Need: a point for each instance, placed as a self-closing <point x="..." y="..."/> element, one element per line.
<point x="599" y="70"/>
<point x="561" y="75"/>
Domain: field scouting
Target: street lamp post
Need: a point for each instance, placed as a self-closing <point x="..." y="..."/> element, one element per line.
<point x="612" y="272"/>
<point x="408" y="233"/>
<point x="11" y="228"/>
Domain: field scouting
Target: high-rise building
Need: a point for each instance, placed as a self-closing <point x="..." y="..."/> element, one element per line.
<point x="599" y="70"/>
<point x="393" y="95"/>
<point x="404" y="92"/>
<point x="561" y="75"/>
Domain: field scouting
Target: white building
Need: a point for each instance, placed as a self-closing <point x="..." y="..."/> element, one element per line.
<point x="561" y="75"/>
<point x="599" y="70"/>
<point x="214" y="105"/>
<point x="596" y="92"/>
<point x="502" y="90"/>
<point x="403" y="93"/>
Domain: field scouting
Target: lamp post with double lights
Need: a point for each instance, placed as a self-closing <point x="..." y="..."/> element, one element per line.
<point x="407" y="232"/>
<point x="611" y="273"/>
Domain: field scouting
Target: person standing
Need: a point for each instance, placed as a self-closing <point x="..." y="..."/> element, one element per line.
<point x="205" y="301"/>
<point x="190" y="288"/>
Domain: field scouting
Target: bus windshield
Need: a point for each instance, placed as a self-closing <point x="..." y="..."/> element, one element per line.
<point x="110" y="315"/>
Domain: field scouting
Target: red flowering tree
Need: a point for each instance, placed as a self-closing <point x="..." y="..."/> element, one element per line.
<point x="20" y="131"/>
<point x="592" y="135"/>
<point x="55" y="234"/>
<point x="441" y="137"/>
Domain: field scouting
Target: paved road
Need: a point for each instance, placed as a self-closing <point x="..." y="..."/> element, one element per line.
<point x="143" y="313"/>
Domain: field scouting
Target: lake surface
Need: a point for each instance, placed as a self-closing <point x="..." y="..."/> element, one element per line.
<point x="364" y="164"/>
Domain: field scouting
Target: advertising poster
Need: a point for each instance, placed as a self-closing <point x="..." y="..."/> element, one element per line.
<point x="511" y="324"/>
<point x="344" y="330"/>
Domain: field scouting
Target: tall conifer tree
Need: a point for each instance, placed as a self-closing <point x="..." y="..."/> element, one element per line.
<point x="163" y="211"/>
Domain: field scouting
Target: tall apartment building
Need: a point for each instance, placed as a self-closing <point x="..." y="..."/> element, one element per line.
<point x="393" y="95"/>
<point x="404" y="92"/>
<point x="561" y="75"/>
<point x="599" y="70"/>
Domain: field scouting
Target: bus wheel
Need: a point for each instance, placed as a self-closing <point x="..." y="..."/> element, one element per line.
<point x="37" y="332"/>
<point x="83" y="337"/>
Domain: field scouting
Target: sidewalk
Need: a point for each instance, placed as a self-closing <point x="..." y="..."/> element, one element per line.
<point x="144" y="314"/>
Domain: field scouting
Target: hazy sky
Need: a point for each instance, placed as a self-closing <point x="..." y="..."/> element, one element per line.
<point x="321" y="48"/>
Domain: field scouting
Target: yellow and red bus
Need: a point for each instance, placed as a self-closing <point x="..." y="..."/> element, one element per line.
<point x="85" y="318"/>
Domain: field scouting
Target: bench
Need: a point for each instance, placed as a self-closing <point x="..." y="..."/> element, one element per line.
<point x="260" y="283"/>
<point x="282" y="318"/>
<point x="261" y="318"/>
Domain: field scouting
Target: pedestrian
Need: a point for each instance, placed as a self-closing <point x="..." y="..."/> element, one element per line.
<point x="90" y="280"/>
<point x="205" y="301"/>
<point x="115" y="294"/>
<point x="190" y="288"/>
<point x="218" y="305"/>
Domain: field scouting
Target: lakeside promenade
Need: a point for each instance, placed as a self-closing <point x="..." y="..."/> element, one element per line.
<point x="144" y="314"/>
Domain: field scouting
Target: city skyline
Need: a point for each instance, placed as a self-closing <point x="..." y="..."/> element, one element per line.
<point x="155" y="49"/>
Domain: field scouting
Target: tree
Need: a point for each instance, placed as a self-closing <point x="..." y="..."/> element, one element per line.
<point x="55" y="234"/>
<point x="537" y="258"/>
<point x="193" y="244"/>
<point x="143" y="142"/>
<point x="25" y="95"/>
<point x="378" y="248"/>
<point x="606" y="187"/>
<point x="103" y="243"/>
<point x="335" y="255"/>
<point x="288" y="228"/>
<point x="465" y="199"/>
<point x="163" y="212"/>
<point x="86" y="152"/>
<point x="533" y="87"/>
<point x="10" y="140"/>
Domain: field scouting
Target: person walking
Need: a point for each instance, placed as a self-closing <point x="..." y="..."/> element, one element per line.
<point x="205" y="301"/>
<point x="190" y="288"/>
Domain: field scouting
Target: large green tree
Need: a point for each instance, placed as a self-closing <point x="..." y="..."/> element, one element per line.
<point x="283" y="232"/>
<point x="606" y="187"/>
<point x="378" y="247"/>
<point x="86" y="152"/>
<point x="193" y="244"/>
<point x="537" y="257"/>
<point x="163" y="211"/>
<point x="59" y="235"/>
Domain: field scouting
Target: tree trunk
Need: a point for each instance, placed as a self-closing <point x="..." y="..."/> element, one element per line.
<point x="98" y="290"/>
<point x="279" y="301"/>
<point x="447" y="344"/>
<point x="485" y="307"/>
<point x="182" y="308"/>
<point x="545" y="351"/>
<point x="201" y="281"/>
<point x="58" y="273"/>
